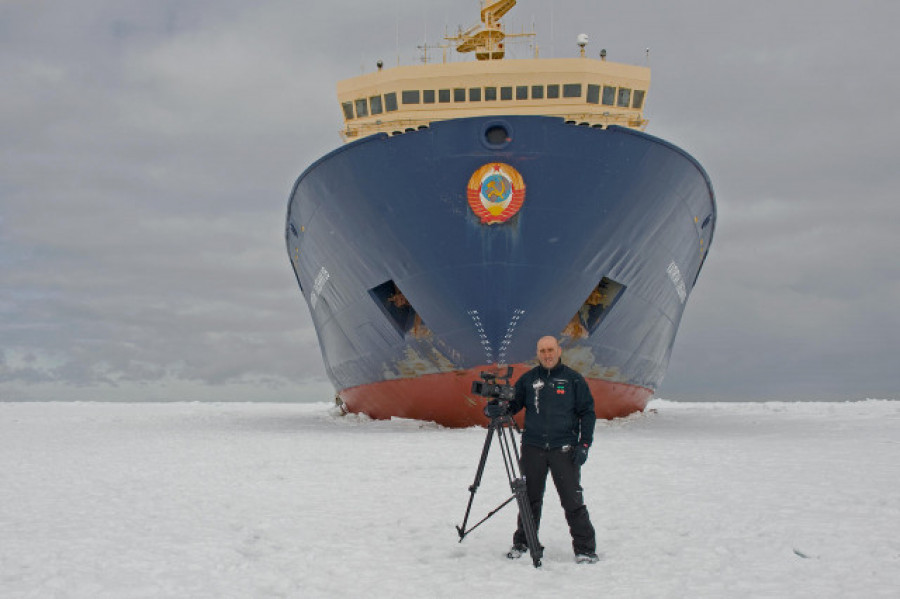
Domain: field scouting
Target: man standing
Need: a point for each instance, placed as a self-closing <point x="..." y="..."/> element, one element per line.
<point x="559" y="429"/>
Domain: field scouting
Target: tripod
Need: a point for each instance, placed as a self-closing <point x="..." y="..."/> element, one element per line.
<point x="504" y="426"/>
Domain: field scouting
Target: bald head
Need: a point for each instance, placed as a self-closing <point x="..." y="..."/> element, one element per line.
<point x="548" y="351"/>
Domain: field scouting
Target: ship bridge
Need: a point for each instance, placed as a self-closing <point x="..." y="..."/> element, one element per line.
<point x="582" y="91"/>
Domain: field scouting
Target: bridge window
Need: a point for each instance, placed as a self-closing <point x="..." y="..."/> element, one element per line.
<point x="624" y="97"/>
<point x="443" y="96"/>
<point x="506" y="93"/>
<point x="410" y="96"/>
<point x="537" y="92"/>
<point x="474" y="94"/>
<point x="553" y="90"/>
<point x="638" y="100"/>
<point x="593" y="94"/>
<point x="609" y="95"/>
<point x="572" y="90"/>
<point x="348" y="110"/>
<point x="490" y="93"/>
<point x="521" y="92"/>
<point x="375" y="105"/>
<point x="362" y="108"/>
<point x="390" y="101"/>
<point x="459" y="94"/>
<point x="427" y="96"/>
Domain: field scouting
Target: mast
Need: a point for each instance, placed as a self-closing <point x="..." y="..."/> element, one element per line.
<point x="486" y="40"/>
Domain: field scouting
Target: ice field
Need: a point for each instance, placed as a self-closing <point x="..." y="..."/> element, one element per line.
<point x="292" y="500"/>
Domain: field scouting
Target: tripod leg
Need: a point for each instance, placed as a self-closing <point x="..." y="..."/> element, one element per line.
<point x="520" y="490"/>
<point x="531" y="536"/>
<point x="473" y="488"/>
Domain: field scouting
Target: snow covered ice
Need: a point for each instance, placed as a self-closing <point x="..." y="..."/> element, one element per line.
<point x="274" y="500"/>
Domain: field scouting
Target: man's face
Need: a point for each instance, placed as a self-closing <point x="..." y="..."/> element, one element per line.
<point x="548" y="352"/>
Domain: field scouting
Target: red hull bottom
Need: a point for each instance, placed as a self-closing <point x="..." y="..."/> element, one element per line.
<point x="447" y="398"/>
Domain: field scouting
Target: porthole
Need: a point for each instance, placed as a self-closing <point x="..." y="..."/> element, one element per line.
<point x="496" y="135"/>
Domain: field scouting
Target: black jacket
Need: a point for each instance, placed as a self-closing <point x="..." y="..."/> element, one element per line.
<point x="559" y="408"/>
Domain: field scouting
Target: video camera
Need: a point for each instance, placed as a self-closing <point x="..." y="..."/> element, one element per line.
<point x="490" y="387"/>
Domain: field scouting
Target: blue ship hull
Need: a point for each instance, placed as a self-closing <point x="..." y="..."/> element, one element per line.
<point x="411" y="294"/>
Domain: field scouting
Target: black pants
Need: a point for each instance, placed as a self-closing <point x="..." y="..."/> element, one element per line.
<point x="567" y="478"/>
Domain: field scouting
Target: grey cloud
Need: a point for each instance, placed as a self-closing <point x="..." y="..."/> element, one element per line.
<point x="149" y="148"/>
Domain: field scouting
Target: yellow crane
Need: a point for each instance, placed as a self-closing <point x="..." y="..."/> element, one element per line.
<point x="486" y="40"/>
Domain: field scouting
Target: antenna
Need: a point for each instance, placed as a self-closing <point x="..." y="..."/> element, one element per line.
<point x="582" y="41"/>
<point x="424" y="47"/>
<point x="552" y="30"/>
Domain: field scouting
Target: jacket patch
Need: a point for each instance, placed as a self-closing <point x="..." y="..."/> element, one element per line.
<point x="560" y="386"/>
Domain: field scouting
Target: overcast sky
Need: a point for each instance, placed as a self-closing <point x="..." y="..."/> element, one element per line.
<point x="147" y="150"/>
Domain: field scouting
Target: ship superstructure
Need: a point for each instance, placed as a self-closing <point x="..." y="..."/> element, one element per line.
<point x="581" y="91"/>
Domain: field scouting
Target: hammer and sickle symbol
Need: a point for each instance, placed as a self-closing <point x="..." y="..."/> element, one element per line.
<point x="492" y="186"/>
